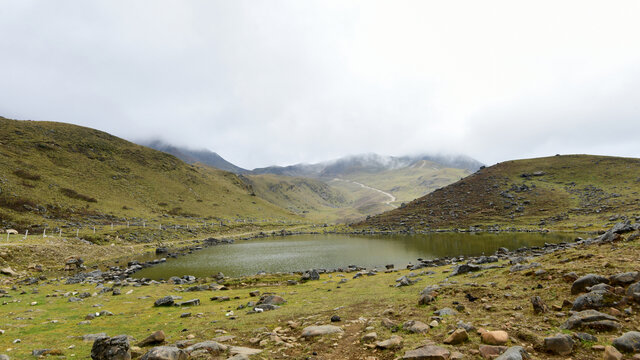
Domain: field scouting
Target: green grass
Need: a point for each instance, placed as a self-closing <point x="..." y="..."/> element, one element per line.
<point x="56" y="173"/>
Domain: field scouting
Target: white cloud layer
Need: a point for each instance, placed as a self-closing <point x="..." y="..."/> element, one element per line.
<point x="280" y="82"/>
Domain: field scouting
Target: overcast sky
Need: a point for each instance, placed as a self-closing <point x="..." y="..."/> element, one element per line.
<point x="278" y="82"/>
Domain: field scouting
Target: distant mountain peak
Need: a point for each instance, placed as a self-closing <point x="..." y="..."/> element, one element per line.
<point x="191" y="156"/>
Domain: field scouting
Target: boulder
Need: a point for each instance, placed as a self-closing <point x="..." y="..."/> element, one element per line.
<point x="611" y="353"/>
<point x="311" y="331"/>
<point x="115" y="348"/>
<point x="165" y="353"/>
<point x="586" y="281"/>
<point x="628" y="342"/>
<point x="596" y="299"/>
<point x="310" y="275"/>
<point x="497" y="337"/>
<point x="428" y="352"/>
<point x="8" y="271"/>
<point x="272" y="300"/>
<point x="445" y="312"/>
<point x="465" y="268"/>
<point x="457" y="337"/>
<point x="155" y="338"/>
<point x="514" y="353"/>
<point x="591" y="319"/>
<point x="561" y="344"/>
<point x="415" y="326"/>
<point x="539" y="306"/>
<point x="394" y="342"/>
<point x="211" y="347"/>
<point x="490" y="351"/>
<point x="164" y="301"/>
<point x="624" y="279"/>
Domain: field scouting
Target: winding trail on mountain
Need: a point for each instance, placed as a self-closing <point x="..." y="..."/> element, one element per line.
<point x="390" y="196"/>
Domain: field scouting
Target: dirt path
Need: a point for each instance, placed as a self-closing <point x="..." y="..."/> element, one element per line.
<point x="390" y="196"/>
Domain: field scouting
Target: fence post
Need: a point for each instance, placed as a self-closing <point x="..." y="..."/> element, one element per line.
<point x="26" y="232"/>
<point x="60" y="232"/>
<point x="44" y="233"/>
<point x="77" y="232"/>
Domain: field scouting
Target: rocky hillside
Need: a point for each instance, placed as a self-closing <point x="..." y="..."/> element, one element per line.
<point x="54" y="173"/>
<point x="572" y="191"/>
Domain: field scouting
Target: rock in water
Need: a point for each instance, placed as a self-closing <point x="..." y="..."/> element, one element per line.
<point x="165" y="353"/>
<point x="561" y="344"/>
<point x="628" y="342"/>
<point x="311" y="331"/>
<point x="428" y="352"/>
<point x="115" y="348"/>
<point x="514" y="353"/>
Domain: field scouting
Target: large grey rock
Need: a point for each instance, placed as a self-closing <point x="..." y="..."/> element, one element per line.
<point x="561" y="344"/>
<point x="445" y="312"/>
<point x="591" y="319"/>
<point x="311" y="331"/>
<point x="633" y="290"/>
<point x="165" y="353"/>
<point x="514" y="353"/>
<point x="272" y="300"/>
<point x="628" y="342"/>
<point x="427" y="352"/>
<point x="465" y="268"/>
<point x="4" y="357"/>
<point x="595" y="300"/>
<point x="586" y="281"/>
<point x="115" y="348"/>
<point x="310" y="275"/>
<point x="624" y="279"/>
<point x="164" y="301"/>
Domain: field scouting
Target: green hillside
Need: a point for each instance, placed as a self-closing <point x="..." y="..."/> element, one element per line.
<point x="59" y="173"/>
<point x="572" y="191"/>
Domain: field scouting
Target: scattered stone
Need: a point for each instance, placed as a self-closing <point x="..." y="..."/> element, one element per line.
<point x="491" y="352"/>
<point x="595" y="300"/>
<point x="514" y="353"/>
<point x="311" y="331"/>
<point x="496" y="337"/>
<point x="115" y="348"/>
<point x="428" y="352"/>
<point x="585" y="337"/>
<point x="611" y="353"/>
<point x="457" y="337"/>
<point x="388" y="323"/>
<point x="416" y="327"/>
<point x="254" y="293"/>
<point x="372" y="336"/>
<point x="394" y="342"/>
<point x="211" y="347"/>
<point x="271" y="300"/>
<point x="561" y="344"/>
<point x="628" y="342"/>
<point x="155" y="338"/>
<point x="335" y="318"/>
<point x="624" y="279"/>
<point x="445" y="312"/>
<point x="465" y="268"/>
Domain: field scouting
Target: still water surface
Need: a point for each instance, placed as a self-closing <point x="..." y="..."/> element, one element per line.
<point x="302" y="252"/>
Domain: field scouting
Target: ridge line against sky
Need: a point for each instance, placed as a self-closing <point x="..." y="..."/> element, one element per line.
<point x="287" y="82"/>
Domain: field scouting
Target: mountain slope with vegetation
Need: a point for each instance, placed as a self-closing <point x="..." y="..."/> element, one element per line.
<point x="59" y="173"/>
<point x="571" y="191"/>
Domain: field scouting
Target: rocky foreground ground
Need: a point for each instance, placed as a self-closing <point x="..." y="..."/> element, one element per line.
<point x="579" y="300"/>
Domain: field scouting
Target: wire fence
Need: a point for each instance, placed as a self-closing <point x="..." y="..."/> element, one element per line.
<point x="115" y="226"/>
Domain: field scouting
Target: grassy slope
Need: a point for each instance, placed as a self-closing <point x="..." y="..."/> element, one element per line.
<point x="575" y="191"/>
<point x="412" y="182"/>
<point x="124" y="179"/>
